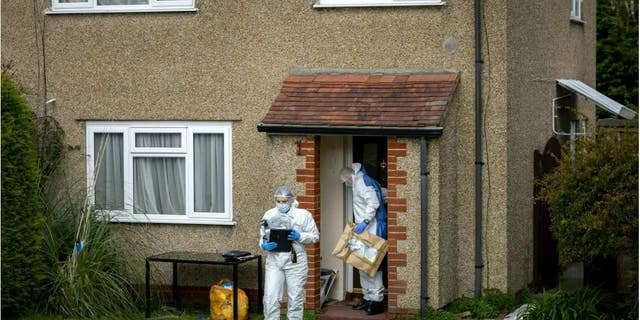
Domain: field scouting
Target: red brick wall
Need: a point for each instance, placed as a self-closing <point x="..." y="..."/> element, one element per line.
<point x="309" y="148"/>
<point x="396" y="206"/>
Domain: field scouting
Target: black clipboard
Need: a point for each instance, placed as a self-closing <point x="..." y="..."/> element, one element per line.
<point x="279" y="236"/>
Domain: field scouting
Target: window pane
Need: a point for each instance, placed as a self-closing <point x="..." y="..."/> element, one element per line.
<point x="121" y="2"/>
<point x="73" y="1"/>
<point x="109" y="178"/>
<point x="158" y="185"/>
<point x="158" y="140"/>
<point x="208" y="169"/>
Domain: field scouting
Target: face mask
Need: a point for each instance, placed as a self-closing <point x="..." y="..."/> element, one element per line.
<point x="283" y="207"/>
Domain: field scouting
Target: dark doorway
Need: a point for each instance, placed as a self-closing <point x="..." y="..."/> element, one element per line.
<point x="371" y="152"/>
<point x="545" y="259"/>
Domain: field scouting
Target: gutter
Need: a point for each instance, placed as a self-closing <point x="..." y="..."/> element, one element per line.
<point x="431" y="132"/>
<point x="479" y="265"/>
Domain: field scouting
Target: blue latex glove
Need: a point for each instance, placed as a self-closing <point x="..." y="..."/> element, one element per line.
<point x="294" y="235"/>
<point x="360" y="227"/>
<point x="268" y="246"/>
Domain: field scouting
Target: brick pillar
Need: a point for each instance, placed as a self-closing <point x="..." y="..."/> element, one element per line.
<point x="396" y="206"/>
<point x="310" y="200"/>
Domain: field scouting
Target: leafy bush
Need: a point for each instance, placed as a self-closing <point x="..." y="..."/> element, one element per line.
<point x="488" y="306"/>
<point x="585" y="303"/>
<point x="484" y="310"/>
<point x="501" y="301"/>
<point x="479" y="308"/>
<point x="21" y="210"/>
<point x="593" y="197"/>
<point x="431" y="314"/>
<point x="462" y="304"/>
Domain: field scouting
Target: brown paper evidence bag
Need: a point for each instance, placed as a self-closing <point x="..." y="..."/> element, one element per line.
<point x="364" y="251"/>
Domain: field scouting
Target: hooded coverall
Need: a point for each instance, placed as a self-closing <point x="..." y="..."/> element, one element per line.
<point x="279" y="266"/>
<point x="367" y="200"/>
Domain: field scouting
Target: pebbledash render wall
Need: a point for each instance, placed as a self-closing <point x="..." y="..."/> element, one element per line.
<point x="541" y="45"/>
<point x="227" y="62"/>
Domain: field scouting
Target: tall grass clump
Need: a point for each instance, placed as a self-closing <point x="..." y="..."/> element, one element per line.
<point x="85" y="277"/>
<point x="22" y="217"/>
<point x="585" y="303"/>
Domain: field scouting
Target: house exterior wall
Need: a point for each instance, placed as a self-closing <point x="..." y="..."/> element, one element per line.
<point x="543" y="45"/>
<point x="227" y="61"/>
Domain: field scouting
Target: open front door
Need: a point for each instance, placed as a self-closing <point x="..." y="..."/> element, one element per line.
<point x="336" y="206"/>
<point x="372" y="153"/>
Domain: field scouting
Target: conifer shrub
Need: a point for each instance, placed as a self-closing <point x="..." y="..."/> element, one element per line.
<point x="22" y="216"/>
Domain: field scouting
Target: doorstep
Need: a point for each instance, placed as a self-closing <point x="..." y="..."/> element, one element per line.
<point x="341" y="310"/>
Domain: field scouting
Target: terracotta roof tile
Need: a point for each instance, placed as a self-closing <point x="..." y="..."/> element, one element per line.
<point x="398" y="100"/>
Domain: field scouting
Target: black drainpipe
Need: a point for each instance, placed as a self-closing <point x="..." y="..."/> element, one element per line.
<point x="478" y="126"/>
<point x="424" y="235"/>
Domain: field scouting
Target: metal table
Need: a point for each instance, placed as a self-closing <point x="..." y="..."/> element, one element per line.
<point x="176" y="257"/>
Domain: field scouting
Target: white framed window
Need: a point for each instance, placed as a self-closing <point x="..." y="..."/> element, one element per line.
<point x="576" y="10"/>
<point x="376" y="3"/>
<point x="102" y="6"/>
<point x="160" y="171"/>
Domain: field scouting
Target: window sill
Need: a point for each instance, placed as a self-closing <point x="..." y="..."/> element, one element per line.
<point x="126" y="218"/>
<point x="576" y="20"/>
<point x="94" y="11"/>
<point x="373" y="3"/>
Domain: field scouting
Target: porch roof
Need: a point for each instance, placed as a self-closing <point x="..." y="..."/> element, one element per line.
<point x="403" y="104"/>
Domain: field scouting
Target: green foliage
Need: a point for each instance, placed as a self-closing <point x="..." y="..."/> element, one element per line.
<point x="501" y="301"/>
<point x="593" y="197"/>
<point x="49" y="139"/>
<point x="525" y="296"/>
<point x="484" y="310"/>
<point x="479" y="308"/>
<point x="21" y="210"/>
<point x="585" y="303"/>
<point x="617" y="50"/>
<point x="91" y="283"/>
<point x="462" y="304"/>
<point x="177" y="315"/>
<point x="430" y="314"/>
<point x="490" y="305"/>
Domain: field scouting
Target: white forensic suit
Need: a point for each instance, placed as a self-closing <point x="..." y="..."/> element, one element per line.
<point x="365" y="204"/>
<point x="279" y="267"/>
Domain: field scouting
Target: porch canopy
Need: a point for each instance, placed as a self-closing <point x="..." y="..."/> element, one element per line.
<point x="362" y="103"/>
<point x="606" y="103"/>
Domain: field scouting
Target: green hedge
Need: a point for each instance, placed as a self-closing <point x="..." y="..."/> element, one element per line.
<point x="22" y="217"/>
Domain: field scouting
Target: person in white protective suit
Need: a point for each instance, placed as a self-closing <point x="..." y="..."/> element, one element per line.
<point x="369" y="214"/>
<point x="286" y="266"/>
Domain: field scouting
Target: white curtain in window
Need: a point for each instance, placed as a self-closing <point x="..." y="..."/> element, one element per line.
<point x="158" y="185"/>
<point x="208" y="166"/>
<point x="121" y="2"/>
<point x="108" y="155"/>
<point x="158" y="140"/>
